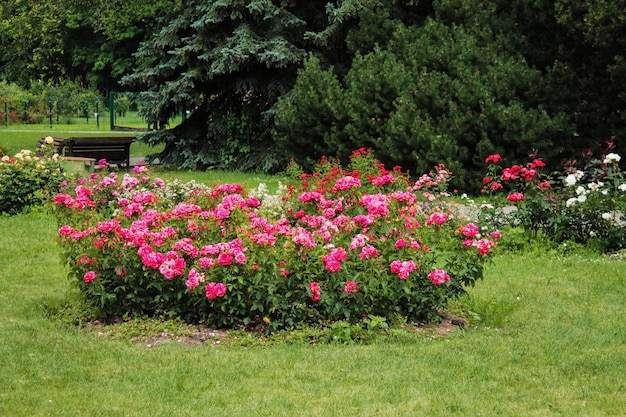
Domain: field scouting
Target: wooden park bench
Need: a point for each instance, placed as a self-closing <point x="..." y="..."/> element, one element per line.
<point x="115" y="149"/>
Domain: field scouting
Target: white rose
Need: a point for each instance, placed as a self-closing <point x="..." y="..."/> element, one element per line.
<point x="570" y="180"/>
<point x="582" y="198"/>
<point x="622" y="187"/>
<point x="612" y="157"/>
<point x="570" y="202"/>
<point x="607" y="216"/>
<point x="581" y="190"/>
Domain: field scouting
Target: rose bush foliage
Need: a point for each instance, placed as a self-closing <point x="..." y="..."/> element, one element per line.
<point x="349" y="243"/>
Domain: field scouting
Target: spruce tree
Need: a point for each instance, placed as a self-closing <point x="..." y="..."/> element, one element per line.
<point x="226" y="62"/>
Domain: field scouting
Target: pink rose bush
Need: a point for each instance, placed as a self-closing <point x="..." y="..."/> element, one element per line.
<point x="349" y="243"/>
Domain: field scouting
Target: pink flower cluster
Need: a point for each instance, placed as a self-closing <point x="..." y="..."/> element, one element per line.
<point x="483" y="245"/>
<point x="89" y="276"/>
<point x="433" y="180"/>
<point x="351" y="287"/>
<point x="403" y="268"/>
<point x="438" y="276"/>
<point x="316" y="293"/>
<point x="215" y="289"/>
<point x="469" y="230"/>
<point x="346" y="183"/>
<point x="332" y="261"/>
<point x="515" y="197"/>
<point x="438" y="218"/>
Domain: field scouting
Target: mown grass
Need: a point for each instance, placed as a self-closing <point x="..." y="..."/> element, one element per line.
<point x="558" y="350"/>
<point x="20" y="137"/>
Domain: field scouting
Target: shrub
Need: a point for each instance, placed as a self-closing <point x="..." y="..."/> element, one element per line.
<point x="350" y="243"/>
<point x="584" y="204"/>
<point x="435" y="93"/>
<point x="27" y="179"/>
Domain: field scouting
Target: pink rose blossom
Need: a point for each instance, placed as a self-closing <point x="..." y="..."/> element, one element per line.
<point x="437" y="218"/>
<point x="206" y="263"/>
<point x="240" y="258"/>
<point x="469" y="230"/>
<point x="377" y="204"/>
<point x="382" y="180"/>
<point x="351" y="287"/>
<point x="438" y="276"/>
<point x="346" y="183"/>
<point x="194" y="278"/>
<point x="403" y="269"/>
<point x="332" y="265"/>
<point x="515" y="197"/>
<point x="368" y="252"/>
<point x="66" y="230"/>
<point x="495" y="158"/>
<point x="90" y="276"/>
<point x="173" y="267"/>
<point x="316" y="294"/>
<point x="225" y="259"/>
<point x="400" y="243"/>
<point x="215" y="289"/>
<point x="358" y="241"/>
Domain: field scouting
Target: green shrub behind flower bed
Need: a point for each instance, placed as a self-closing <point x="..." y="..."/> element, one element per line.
<point x="350" y="243"/>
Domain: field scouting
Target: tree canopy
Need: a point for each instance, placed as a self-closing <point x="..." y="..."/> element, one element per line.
<point x="227" y="62"/>
<point x="419" y="81"/>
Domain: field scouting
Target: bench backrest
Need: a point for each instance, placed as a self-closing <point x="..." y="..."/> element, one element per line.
<point x="114" y="149"/>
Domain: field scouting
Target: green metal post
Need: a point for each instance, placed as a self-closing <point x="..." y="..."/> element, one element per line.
<point x="97" y="114"/>
<point x="112" y="109"/>
<point x="50" y="111"/>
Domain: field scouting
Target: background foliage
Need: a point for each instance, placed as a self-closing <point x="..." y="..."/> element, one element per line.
<point x="415" y="81"/>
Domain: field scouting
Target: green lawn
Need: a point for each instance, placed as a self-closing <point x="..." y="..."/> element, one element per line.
<point x="19" y="137"/>
<point x="559" y="350"/>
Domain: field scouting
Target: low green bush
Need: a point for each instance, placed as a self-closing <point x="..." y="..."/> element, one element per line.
<point x="27" y="179"/>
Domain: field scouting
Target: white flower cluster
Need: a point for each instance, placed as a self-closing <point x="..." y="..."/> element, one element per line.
<point x="25" y="155"/>
<point x="271" y="204"/>
<point x="168" y="193"/>
<point x="573" y="178"/>
<point x="612" y="158"/>
<point x="581" y="193"/>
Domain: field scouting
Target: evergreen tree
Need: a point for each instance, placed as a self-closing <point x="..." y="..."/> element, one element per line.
<point x="448" y="90"/>
<point x="226" y="62"/>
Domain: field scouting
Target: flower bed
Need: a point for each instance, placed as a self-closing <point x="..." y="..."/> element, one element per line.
<point x="584" y="203"/>
<point x="346" y="244"/>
